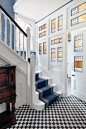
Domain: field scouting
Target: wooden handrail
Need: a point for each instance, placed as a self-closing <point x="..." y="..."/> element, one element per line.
<point x="13" y="20"/>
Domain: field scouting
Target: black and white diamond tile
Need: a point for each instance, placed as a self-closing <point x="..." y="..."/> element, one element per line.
<point x="66" y="113"/>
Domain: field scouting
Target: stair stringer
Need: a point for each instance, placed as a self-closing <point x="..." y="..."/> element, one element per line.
<point x="38" y="104"/>
<point x="10" y="56"/>
<point x="49" y="74"/>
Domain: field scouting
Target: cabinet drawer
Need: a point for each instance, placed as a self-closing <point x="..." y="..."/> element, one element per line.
<point x="5" y="94"/>
<point x="4" y="79"/>
<point x="4" y="87"/>
<point x="3" y="70"/>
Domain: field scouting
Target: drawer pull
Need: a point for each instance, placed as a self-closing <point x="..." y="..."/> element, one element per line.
<point x="11" y="71"/>
<point x="12" y="83"/>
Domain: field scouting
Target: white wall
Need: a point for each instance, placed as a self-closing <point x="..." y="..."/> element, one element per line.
<point x="3" y="62"/>
<point x="56" y="70"/>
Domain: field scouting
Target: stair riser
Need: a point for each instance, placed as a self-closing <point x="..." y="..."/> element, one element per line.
<point x="36" y="77"/>
<point x="45" y="93"/>
<point x="51" y="102"/>
<point x="41" y="84"/>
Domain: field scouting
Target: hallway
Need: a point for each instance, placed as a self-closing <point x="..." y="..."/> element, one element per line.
<point x="66" y="113"/>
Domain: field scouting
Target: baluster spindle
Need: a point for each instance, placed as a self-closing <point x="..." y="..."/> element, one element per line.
<point x="0" y="26"/>
<point x="19" y="42"/>
<point x="10" y="34"/>
<point x="23" y="46"/>
<point x="15" y="40"/>
<point x="5" y="29"/>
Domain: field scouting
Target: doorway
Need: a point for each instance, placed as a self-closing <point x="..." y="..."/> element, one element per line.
<point x="76" y="64"/>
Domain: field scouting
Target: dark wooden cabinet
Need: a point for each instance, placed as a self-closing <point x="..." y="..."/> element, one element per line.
<point x="7" y="95"/>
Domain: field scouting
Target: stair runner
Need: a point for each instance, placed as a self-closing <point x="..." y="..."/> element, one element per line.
<point x="46" y="93"/>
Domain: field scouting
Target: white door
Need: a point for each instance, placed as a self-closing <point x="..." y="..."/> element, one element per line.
<point x="78" y="64"/>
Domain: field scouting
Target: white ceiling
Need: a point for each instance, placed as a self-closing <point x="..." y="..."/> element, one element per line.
<point x="35" y="8"/>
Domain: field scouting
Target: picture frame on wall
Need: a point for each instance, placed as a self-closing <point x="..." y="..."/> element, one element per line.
<point x="44" y="48"/>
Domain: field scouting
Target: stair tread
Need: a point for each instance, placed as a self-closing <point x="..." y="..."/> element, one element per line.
<point x="45" y="88"/>
<point x="50" y="97"/>
<point x="40" y="80"/>
<point x="36" y="73"/>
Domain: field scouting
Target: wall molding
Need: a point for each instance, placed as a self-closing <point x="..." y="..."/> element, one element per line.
<point x="15" y="6"/>
<point x="54" y="11"/>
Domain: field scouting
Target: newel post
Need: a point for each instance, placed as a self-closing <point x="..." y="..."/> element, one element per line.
<point x="28" y="66"/>
<point x="32" y="79"/>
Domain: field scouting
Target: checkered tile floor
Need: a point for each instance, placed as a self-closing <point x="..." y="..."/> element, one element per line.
<point x="66" y="113"/>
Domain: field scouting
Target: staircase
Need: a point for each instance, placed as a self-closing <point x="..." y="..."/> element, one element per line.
<point x="47" y="92"/>
<point x="13" y="51"/>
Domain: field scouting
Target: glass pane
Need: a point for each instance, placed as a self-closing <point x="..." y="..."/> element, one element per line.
<point x="53" y="54"/>
<point x="78" y="63"/>
<point x="44" y="48"/>
<point x="78" y="9"/>
<point x="82" y="18"/>
<point x="60" y="54"/>
<point x="82" y="7"/>
<point x="78" y="43"/>
<point x="53" y="25"/>
<point x="60" y="22"/>
<point x="40" y="48"/>
<point x="42" y="34"/>
<point x="56" y="41"/>
<point x="42" y="27"/>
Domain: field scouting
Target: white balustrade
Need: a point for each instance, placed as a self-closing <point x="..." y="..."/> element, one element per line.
<point x="23" y="46"/>
<point x="19" y="42"/>
<point x="15" y="39"/>
<point x="20" y="38"/>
